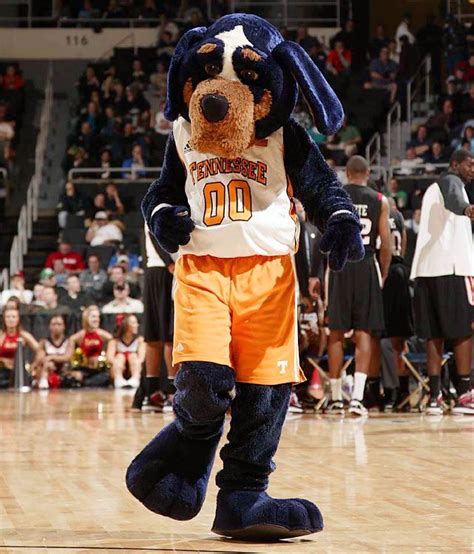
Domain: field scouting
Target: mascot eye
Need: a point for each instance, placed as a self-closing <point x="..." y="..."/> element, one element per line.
<point x="248" y="74"/>
<point x="213" y="69"/>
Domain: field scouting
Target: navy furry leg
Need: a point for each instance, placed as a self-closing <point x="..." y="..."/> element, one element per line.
<point x="244" y="510"/>
<point x="171" y="474"/>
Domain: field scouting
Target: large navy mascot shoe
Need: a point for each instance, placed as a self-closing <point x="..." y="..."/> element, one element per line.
<point x="171" y="474"/>
<point x="244" y="510"/>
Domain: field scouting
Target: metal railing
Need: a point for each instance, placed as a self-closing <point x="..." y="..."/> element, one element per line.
<point x="373" y="150"/>
<point x="419" y="170"/>
<point x="29" y="210"/>
<point x="394" y="125"/>
<point x="277" y="11"/>
<point x="79" y="174"/>
<point x="418" y="87"/>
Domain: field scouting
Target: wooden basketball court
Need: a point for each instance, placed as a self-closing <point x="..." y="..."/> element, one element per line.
<point x="387" y="484"/>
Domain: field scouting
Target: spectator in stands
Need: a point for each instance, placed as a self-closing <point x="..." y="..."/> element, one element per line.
<point x="118" y="98"/>
<point x="378" y="42"/>
<point x="38" y="293"/>
<point x="339" y="59"/>
<point x="139" y="78"/>
<point x="93" y="117"/>
<point x="127" y="351"/>
<point x="7" y="126"/>
<point x="60" y="273"/>
<point x="466" y="107"/>
<point x="399" y="196"/>
<point x="76" y="157"/>
<point x="112" y="202"/>
<point x="393" y="55"/>
<point x="71" y="202"/>
<point x="346" y="140"/>
<point x="403" y="29"/>
<point x="303" y="38"/>
<point x="129" y="261"/>
<point x="408" y="61"/>
<point x="46" y="277"/>
<point x="421" y="143"/>
<point x="383" y="72"/>
<point x="161" y="125"/>
<point x="86" y="138"/>
<point x="430" y="41"/>
<point x="88" y="82"/>
<point x="466" y="137"/>
<point x="73" y="261"/>
<point x="409" y="163"/>
<point x="54" y="354"/>
<point x="102" y="231"/>
<point x="17" y="288"/>
<point x="445" y="119"/>
<point x="347" y="36"/>
<point x="89" y="346"/>
<point x="105" y="163"/>
<point x="122" y="302"/>
<point x="109" y="127"/>
<point x="114" y="11"/>
<point x="13" y="303"/>
<point x="137" y="107"/>
<point x="118" y="276"/>
<point x="12" y="80"/>
<point x="454" y="42"/>
<point x="137" y="163"/>
<point x="318" y="55"/>
<point x="75" y="298"/>
<point x="467" y="68"/>
<point x="93" y="278"/>
<point x="88" y="11"/>
<point x="158" y="80"/>
<point x="167" y="26"/>
<point x="437" y="154"/>
<point x="98" y="205"/>
<point x="10" y="334"/>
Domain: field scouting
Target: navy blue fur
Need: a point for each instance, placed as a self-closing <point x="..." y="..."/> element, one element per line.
<point x="171" y="474"/>
<point x="326" y="109"/>
<point x="286" y="66"/>
<point x="252" y="443"/>
<point x="316" y="185"/>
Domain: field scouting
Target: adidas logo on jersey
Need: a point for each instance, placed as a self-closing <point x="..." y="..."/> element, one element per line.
<point x="179" y="347"/>
<point x="187" y="148"/>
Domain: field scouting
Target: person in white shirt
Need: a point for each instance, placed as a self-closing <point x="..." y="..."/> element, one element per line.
<point x="17" y="288"/>
<point x="122" y="303"/>
<point x="443" y="268"/>
<point x="403" y="29"/>
<point x="102" y="231"/>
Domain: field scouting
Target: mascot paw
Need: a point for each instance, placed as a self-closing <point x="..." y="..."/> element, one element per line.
<point x="342" y="241"/>
<point x="171" y="474"/>
<point x="255" y="516"/>
<point x="172" y="227"/>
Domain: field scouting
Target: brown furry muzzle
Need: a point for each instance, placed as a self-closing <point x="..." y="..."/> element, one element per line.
<point x="235" y="132"/>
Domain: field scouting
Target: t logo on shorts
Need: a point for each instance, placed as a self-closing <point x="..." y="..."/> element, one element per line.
<point x="282" y="366"/>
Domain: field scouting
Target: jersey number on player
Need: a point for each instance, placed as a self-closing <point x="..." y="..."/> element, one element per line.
<point x="366" y="224"/>
<point x="236" y="196"/>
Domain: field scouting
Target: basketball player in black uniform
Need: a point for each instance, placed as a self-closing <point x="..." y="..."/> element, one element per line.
<point x="398" y="322"/>
<point x="355" y="293"/>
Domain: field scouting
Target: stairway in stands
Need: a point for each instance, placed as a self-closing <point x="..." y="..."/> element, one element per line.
<point x="43" y="242"/>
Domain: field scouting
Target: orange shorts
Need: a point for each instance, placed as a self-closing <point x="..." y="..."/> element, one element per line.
<point x="239" y="312"/>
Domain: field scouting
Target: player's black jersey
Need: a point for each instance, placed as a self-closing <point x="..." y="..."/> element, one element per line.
<point x="367" y="203"/>
<point x="397" y="225"/>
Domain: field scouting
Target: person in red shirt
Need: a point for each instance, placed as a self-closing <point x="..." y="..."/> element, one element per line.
<point x="339" y="59"/>
<point x="73" y="261"/>
<point x="12" y="80"/>
<point x="467" y="68"/>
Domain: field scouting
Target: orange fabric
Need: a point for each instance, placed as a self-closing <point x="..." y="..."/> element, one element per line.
<point x="238" y="312"/>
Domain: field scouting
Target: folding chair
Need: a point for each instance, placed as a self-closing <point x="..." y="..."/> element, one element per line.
<point x="315" y="362"/>
<point x="416" y="362"/>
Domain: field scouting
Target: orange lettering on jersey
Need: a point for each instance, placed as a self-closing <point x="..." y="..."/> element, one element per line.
<point x="255" y="171"/>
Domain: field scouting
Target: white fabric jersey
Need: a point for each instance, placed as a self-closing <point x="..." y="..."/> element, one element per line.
<point x="240" y="206"/>
<point x="444" y="245"/>
<point x="52" y="350"/>
<point x="124" y="348"/>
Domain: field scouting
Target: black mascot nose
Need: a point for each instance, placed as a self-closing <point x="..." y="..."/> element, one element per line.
<point x="214" y="107"/>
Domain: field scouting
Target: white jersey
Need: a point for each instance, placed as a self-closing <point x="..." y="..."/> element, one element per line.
<point x="240" y="206"/>
<point x="124" y="348"/>
<point x="52" y="350"/>
<point x="153" y="259"/>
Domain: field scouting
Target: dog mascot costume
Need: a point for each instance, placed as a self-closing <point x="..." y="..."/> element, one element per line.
<point x="233" y="163"/>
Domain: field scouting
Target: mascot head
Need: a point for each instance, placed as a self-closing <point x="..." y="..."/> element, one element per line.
<point x="237" y="81"/>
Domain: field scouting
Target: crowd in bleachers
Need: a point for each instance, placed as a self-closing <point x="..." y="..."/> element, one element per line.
<point x="95" y="277"/>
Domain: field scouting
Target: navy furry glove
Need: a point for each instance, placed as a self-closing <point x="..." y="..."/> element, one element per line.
<point x="172" y="227"/>
<point x="342" y="241"/>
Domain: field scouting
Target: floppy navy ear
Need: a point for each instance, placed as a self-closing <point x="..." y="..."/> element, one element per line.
<point x="174" y="96"/>
<point x="326" y="108"/>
